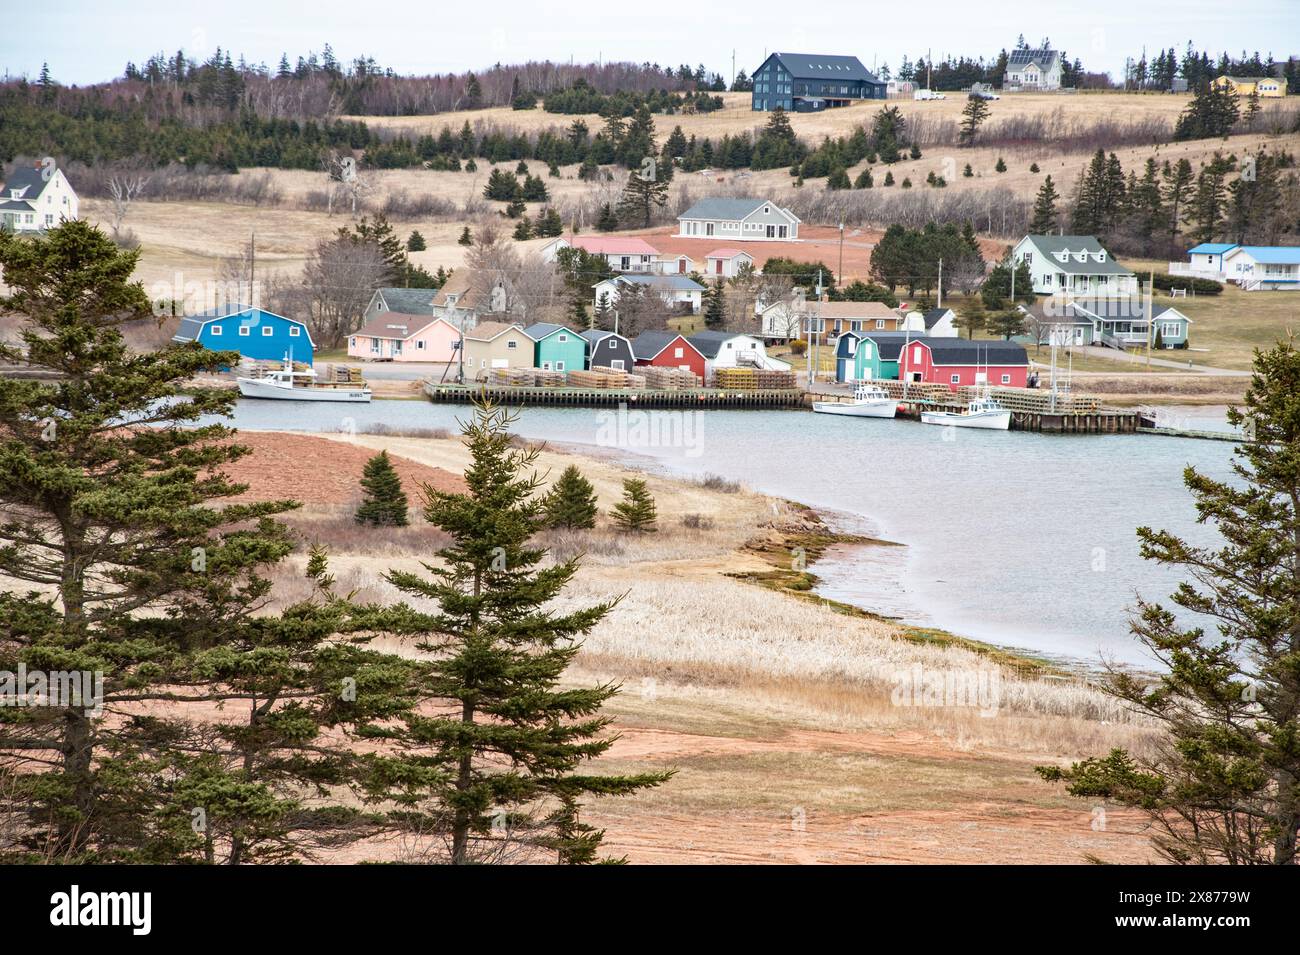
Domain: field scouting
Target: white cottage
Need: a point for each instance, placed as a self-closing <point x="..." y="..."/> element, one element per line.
<point x="675" y="290"/>
<point x="36" y="198"/>
<point x="743" y="219"/>
<point x="1033" y="70"/>
<point x="734" y="350"/>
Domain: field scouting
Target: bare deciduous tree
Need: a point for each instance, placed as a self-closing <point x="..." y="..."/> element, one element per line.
<point x="337" y="283"/>
<point x="123" y="189"/>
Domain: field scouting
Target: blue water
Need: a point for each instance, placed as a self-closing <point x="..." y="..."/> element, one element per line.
<point x="1019" y="539"/>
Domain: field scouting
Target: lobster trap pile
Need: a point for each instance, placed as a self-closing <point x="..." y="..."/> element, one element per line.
<point x="527" y="377"/>
<point x="670" y="379"/>
<point x="598" y="378"/>
<point x="753" y="379"/>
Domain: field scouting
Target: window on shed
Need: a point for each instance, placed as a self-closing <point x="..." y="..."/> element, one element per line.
<point x="955" y="379"/>
<point x="216" y="331"/>
<point x="512" y="344"/>
<point x="294" y="331"/>
<point x="267" y="331"/>
<point x="1006" y="379"/>
<point x="245" y="331"/>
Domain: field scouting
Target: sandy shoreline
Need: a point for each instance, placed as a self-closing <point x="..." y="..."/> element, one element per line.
<point x="781" y="711"/>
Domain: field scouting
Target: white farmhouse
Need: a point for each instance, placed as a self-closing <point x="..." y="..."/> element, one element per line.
<point x="624" y="253"/>
<point x="1073" y="263"/>
<point x="742" y="219"/>
<point x="675" y="290"/>
<point x="36" y="198"/>
<point x="1033" y="70"/>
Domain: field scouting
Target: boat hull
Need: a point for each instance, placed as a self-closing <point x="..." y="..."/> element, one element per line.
<point x="866" y="409"/>
<point x="988" y="420"/>
<point x="253" y="388"/>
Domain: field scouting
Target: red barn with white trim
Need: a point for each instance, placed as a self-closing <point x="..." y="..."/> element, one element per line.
<point x="961" y="361"/>
<point x="669" y="350"/>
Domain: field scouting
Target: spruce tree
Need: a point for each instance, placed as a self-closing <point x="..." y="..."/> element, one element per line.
<point x="973" y="115"/>
<point x="1220" y="786"/>
<point x="466" y="237"/>
<point x="642" y="195"/>
<point x="119" y="517"/>
<point x="864" y="180"/>
<point x="384" y="502"/>
<point x="636" y="512"/>
<point x="416" y="243"/>
<point x="715" y="306"/>
<point x="507" y="743"/>
<point x="571" y="502"/>
<point x="1044" y="218"/>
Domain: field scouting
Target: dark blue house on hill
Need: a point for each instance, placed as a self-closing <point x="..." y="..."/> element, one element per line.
<point x="808" y="82"/>
<point x="255" y="333"/>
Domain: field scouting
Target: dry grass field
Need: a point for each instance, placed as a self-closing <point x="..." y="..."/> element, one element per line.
<point x="777" y="712"/>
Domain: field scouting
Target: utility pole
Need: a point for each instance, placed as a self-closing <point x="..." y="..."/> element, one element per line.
<point x="733" y="66"/>
<point x="841" y="270"/>
<point x="252" y="269"/>
<point x="939" y="289"/>
<point x="1151" y="324"/>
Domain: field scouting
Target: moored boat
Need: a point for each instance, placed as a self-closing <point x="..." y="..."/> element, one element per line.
<point x="980" y="413"/>
<point x="293" y="382"/>
<point x="869" y="401"/>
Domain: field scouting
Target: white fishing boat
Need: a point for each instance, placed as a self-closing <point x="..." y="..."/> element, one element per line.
<point x="869" y="401"/>
<point x="980" y="413"/>
<point x="292" y="382"/>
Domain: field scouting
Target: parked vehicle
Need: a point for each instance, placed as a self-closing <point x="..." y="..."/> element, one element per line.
<point x="985" y="413"/>
<point x="869" y="401"/>
<point x="927" y="94"/>
<point x="984" y="94"/>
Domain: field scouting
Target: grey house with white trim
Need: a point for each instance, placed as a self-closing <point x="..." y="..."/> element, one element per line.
<point x="757" y="220"/>
<point x="1033" y="70"/>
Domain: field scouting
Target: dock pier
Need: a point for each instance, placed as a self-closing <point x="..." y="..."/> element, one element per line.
<point x="684" y="398"/>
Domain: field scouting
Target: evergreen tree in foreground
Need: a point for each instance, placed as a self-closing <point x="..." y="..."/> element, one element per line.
<point x="636" y="512"/>
<point x="384" y="503"/>
<point x="508" y="743"/>
<point x="1223" y="786"/>
<point x="571" y="502"/>
<point x="208" y="742"/>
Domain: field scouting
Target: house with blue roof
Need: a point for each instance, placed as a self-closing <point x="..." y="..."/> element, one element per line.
<point x="677" y="291"/>
<point x="1252" y="267"/>
<point x="557" y="347"/>
<point x="811" y="82"/>
<point x="258" y="335"/>
<point x="1263" y="267"/>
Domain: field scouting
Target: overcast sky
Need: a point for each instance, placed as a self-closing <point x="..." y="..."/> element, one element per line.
<point x="85" y="41"/>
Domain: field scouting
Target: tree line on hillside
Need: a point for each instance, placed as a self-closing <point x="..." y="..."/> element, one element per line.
<point x="1197" y="68"/>
<point x="1254" y="199"/>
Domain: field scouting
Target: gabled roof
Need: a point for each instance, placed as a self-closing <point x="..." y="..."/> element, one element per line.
<point x="594" y="335"/>
<point x="612" y="244"/>
<point x="723" y="207"/>
<point x="889" y="345"/>
<point x="488" y="331"/>
<point x="966" y="351"/>
<point x="541" y="330"/>
<point x="1273" y="254"/>
<point x="398" y="325"/>
<point x="408" y="301"/>
<point x="709" y="343"/>
<point x="1044" y="59"/>
<point x="647" y="345"/>
<point x="727" y="254"/>
<point x="1052" y="245"/>
<point x="678" y="283"/>
<point x="821" y="66"/>
<point x="1211" y="248"/>
<point x="29" y="179"/>
<point x="934" y="316"/>
<point x="192" y="325"/>
<point x="855" y="310"/>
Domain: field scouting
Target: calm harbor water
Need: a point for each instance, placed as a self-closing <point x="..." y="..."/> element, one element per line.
<point x="1019" y="539"/>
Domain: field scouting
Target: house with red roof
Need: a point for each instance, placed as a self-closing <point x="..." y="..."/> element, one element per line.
<point x="624" y="253"/>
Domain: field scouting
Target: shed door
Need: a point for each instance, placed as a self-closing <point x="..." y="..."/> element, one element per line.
<point x="500" y="362"/>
